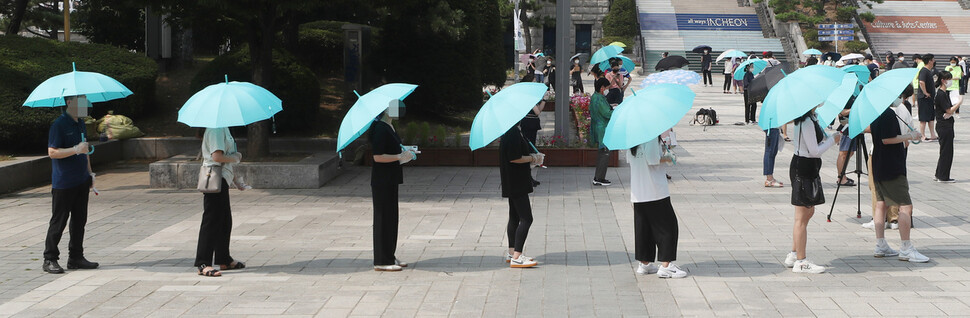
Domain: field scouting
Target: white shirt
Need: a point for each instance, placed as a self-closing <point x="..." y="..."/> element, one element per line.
<point x="905" y="119"/>
<point x="216" y="139"/>
<point x="648" y="178"/>
<point x="804" y="139"/>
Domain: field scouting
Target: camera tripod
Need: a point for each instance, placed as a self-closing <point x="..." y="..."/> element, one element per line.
<point x="861" y="151"/>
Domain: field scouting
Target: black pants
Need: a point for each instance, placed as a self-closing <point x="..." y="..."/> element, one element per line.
<point x="727" y="82"/>
<point x="216" y="228"/>
<point x="963" y="86"/>
<point x="67" y="204"/>
<point x="750" y="108"/>
<point x="944" y="130"/>
<point x="386" y="220"/>
<point x="578" y="85"/>
<point x="706" y="74"/>
<point x="655" y="231"/>
<point x="520" y="220"/>
<point x="602" y="161"/>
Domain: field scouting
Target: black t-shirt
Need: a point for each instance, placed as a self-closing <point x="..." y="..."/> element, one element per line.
<point x="811" y="61"/>
<point x="873" y="70"/>
<point x="384" y="141"/>
<point x="705" y="61"/>
<point x="941" y="104"/>
<point x="927" y="77"/>
<point x="516" y="177"/>
<point x="888" y="161"/>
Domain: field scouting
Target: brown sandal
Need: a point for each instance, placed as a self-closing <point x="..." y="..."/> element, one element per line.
<point x="773" y="184"/>
<point x="212" y="272"/>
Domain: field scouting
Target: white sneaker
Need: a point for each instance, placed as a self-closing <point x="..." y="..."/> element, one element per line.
<point x="671" y="271"/>
<point x="387" y="268"/>
<point x="806" y="266"/>
<point x="400" y="263"/>
<point x="869" y="225"/>
<point x="913" y="256"/>
<point x="522" y="262"/>
<point x="885" y="251"/>
<point x="646" y="269"/>
<point x="893" y="226"/>
<point x="790" y="259"/>
<point x="508" y="257"/>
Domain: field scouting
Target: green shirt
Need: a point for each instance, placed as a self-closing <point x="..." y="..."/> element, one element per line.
<point x="957" y="73"/>
<point x="929" y="86"/>
<point x="599" y="113"/>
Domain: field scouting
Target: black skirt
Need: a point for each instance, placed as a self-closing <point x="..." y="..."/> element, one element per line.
<point x="806" y="186"/>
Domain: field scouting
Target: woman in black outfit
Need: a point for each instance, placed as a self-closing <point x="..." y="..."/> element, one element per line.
<point x="576" y="73"/>
<point x="386" y="175"/>
<point x="706" y="68"/>
<point x="750" y="106"/>
<point x="944" y="127"/>
<point x="515" y="158"/>
<point x="218" y="149"/>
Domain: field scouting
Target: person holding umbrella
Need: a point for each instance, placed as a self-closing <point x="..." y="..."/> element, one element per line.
<point x="810" y="142"/>
<point x="750" y="106"/>
<point x="576" y="73"/>
<point x="728" y="75"/>
<point x="386" y="176"/>
<point x="600" y="112"/>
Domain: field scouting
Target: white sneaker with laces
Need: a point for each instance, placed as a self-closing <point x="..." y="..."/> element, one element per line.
<point x="806" y="266"/>
<point x="671" y="271"/>
<point x="508" y="257"/>
<point x="400" y="263"/>
<point x="869" y="225"/>
<point x="646" y="269"/>
<point x="522" y="262"/>
<point x="884" y="251"/>
<point x="387" y="268"/>
<point x="790" y="259"/>
<point x="913" y="256"/>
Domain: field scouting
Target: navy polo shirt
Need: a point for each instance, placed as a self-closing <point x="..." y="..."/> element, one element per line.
<point x="72" y="171"/>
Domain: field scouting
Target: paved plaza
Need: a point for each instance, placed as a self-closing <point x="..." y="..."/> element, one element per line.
<point x="308" y="252"/>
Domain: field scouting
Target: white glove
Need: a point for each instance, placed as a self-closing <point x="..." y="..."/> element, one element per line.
<point x="406" y="157"/>
<point x="541" y="158"/>
<point x="914" y="135"/>
<point x="236" y="157"/>
<point x="81" y="148"/>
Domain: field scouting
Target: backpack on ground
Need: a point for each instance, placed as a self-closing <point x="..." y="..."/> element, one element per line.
<point x="705" y="117"/>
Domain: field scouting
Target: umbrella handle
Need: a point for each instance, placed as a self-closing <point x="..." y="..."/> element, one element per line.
<point x="915" y="142"/>
<point x="85" y="139"/>
<point x="533" y="147"/>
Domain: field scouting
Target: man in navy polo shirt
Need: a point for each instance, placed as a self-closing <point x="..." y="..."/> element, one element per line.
<point x="71" y="177"/>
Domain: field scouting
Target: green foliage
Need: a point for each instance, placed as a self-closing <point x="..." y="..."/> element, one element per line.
<point x="26" y="62"/>
<point x="856" y="46"/>
<point x="606" y="40"/>
<point x="321" y="45"/>
<point x="867" y="16"/>
<point x="424" y="134"/>
<point x="115" y="22"/>
<point x="621" y="21"/>
<point x="493" y="52"/>
<point x="456" y="139"/>
<point x="294" y="83"/>
<point x="844" y="14"/>
<point x="439" y="136"/>
<point x="791" y="16"/>
<point x="411" y="133"/>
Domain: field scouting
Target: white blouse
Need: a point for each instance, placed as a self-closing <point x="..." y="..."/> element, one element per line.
<point x="648" y="177"/>
<point x="218" y="139"/>
<point x="804" y="139"/>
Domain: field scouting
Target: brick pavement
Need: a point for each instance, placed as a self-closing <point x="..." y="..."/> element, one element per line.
<point x="308" y="251"/>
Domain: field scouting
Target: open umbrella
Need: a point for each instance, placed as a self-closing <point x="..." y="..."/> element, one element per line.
<point x="647" y="114"/>
<point x="681" y="77"/>
<point x="860" y="71"/>
<point x="764" y="81"/>
<point x="876" y="97"/>
<point x="96" y="87"/>
<point x="701" y="48"/>
<point x="671" y="62"/>
<point x="853" y="56"/>
<point x="835" y="102"/>
<point x="759" y="65"/>
<point x="732" y="53"/>
<point x="618" y="43"/>
<point x="575" y="56"/>
<point x="628" y="64"/>
<point x="812" y="52"/>
<point x="503" y="111"/>
<point x="833" y="55"/>
<point x="798" y="93"/>
<point x="365" y="110"/>
<point x="604" y="54"/>
<point x="229" y="104"/>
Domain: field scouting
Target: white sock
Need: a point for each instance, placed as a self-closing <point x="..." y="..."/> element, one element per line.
<point x="881" y="242"/>
<point x="907" y="244"/>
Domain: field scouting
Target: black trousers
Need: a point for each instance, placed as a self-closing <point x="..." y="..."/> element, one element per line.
<point x="706" y="74"/>
<point x="67" y="204"/>
<point x="216" y="228"/>
<point x="602" y="161"/>
<point x="727" y="82"/>
<point x="520" y="220"/>
<point x="750" y="108"/>
<point x="386" y="220"/>
<point x="655" y="231"/>
<point x="578" y="85"/>
<point x="944" y="130"/>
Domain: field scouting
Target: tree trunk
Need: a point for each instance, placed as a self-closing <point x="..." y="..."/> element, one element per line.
<point x="526" y="30"/>
<point x="261" y="51"/>
<point x="20" y="9"/>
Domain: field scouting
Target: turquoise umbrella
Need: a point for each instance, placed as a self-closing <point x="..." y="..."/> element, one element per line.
<point x="759" y="65"/>
<point x="876" y="97"/>
<point x="605" y="53"/>
<point x="836" y="101"/>
<point x="812" y="52"/>
<point x="732" y="53"/>
<point x="503" y="111"/>
<point x="647" y="114"/>
<point x="229" y="104"/>
<point x="682" y="77"/>
<point x="860" y="71"/>
<point x="96" y="87"/>
<point x="628" y="64"/>
<point x="798" y="93"/>
<point x="365" y="110"/>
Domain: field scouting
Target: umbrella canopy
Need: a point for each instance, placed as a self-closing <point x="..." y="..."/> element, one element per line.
<point x="681" y="77"/>
<point x="647" y="114"/>
<point x="628" y="64"/>
<point x="860" y="71"/>
<point x="759" y="65"/>
<point x="812" y="52"/>
<point x="671" y="62"/>
<point x="503" y="111"/>
<point x="575" y="56"/>
<point x="876" y="97"/>
<point x="701" y="48"/>
<point x="798" y="93"/>
<point x="229" y="104"/>
<point x="618" y="43"/>
<point x="833" y="55"/>
<point x="732" y="53"/>
<point x="763" y="82"/>
<point x="362" y="114"/>
<point x="853" y="56"/>
<point x="835" y="102"/>
<point x="604" y="54"/>
<point x="95" y="86"/>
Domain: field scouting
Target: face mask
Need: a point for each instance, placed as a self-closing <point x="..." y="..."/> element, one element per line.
<point x="548" y="63"/>
<point x="576" y="62"/>
<point x="897" y="102"/>
<point x="953" y="64"/>
<point x="946" y="84"/>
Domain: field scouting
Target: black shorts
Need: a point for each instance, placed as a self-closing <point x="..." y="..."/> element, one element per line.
<point x="926" y="111"/>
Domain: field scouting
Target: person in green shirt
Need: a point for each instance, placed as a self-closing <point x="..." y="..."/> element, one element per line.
<point x="954" y="89"/>
<point x="599" y="113"/>
<point x="918" y="59"/>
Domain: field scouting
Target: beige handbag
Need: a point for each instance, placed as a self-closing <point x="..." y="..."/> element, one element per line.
<point x="210" y="179"/>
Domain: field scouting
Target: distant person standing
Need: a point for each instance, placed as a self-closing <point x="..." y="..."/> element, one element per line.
<point x="728" y="78"/>
<point x="889" y="60"/>
<point x="945" y="108"/>
<point x="706" y="68"/>
<point x="750" y="106"/>
<point x="617" y="84"/>
<point x="772" y="146"/>
<point x="551" y="73"/>
<point x="218" y="149"/>
<point x="600" y="112"/>
<point x="71" y="181"/>
<point x="955" y="83"/>
<point x="654" y="221"/>
<point x="770" y="58"/>
<point x="515" y="158"/>
<point x="872" y="66"/>
<point x="918" y="61"/>
<point x="925" y="95"/>
<point x="576" y="73"/>
<point x="900" y="62"/>
<point x="811" y="61"/>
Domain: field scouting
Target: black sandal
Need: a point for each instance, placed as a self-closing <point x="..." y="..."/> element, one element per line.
<point x="239" y="265"/>
<point x="209" y="273"/>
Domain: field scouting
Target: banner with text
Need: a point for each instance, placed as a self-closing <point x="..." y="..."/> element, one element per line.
<point x="693" y="22"/>
<point x="891" y="24"/>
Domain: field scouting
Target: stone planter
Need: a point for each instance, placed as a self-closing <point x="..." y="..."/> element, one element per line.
<point x="550" y="106"/>
<point x="488" y="157"/>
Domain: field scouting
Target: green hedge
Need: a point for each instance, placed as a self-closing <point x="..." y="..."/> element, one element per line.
<point x="294" y="83"/>
<point x="321" y="48"/>
<point x="26" y="62"/>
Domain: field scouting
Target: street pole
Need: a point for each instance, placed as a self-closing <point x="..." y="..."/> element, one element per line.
<point x="563" y="41"/>
<point x="515" y="41"/>
<point x="67" y="20"/>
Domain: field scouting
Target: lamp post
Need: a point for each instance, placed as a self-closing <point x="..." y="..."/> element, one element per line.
<point x="563" y="26"/>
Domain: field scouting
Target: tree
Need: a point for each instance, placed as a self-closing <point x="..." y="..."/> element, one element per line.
<point x="116" y="22"/>
<point x="492" y="59"/>
<point x="17" y="10"/>
<point x="621" y="21"/>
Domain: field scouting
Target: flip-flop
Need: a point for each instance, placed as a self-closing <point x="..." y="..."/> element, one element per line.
<point x="773" y="184"/>
<point x="209" y="273"/>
